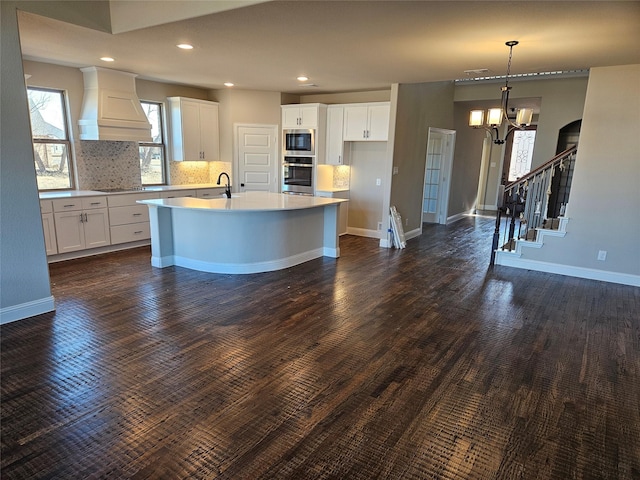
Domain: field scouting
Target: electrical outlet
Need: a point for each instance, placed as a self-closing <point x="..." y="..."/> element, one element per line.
<point x="378" y="182"/>
<point x="379" y="225"/>
<point x="602" y="255"/>
<point x="395" y="170"/>
<point x="406" y="222"/>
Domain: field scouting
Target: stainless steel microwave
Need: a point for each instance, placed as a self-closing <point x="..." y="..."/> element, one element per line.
<point x="298" y="142"/>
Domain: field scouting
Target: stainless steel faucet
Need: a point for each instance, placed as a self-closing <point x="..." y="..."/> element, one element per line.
<point x="227" y="190"/>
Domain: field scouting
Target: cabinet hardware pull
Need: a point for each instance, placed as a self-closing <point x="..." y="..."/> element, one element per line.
<point x="86" y="217"/>
<point x="96" y="203"/>
<point x="138" y="232"/>
<point x="67" y="206"/>
<point x="81" y="219"/>
<point x="137" y="214"/>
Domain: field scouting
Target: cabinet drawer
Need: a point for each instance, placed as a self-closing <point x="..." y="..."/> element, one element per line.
<point x="126" y="199"/>
<point x="178" y="194"/>
<point x="130" y="232"/>
<point x="78" y="203"/>
<point x="129" y="214"/>
<point x="46" y="206"/>
<point x="210" y="192"/>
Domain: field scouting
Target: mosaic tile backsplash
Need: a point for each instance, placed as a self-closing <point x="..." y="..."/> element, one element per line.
<point x="107" y="165"/>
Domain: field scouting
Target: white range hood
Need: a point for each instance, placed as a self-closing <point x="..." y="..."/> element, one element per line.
<point x="110" y="108"/>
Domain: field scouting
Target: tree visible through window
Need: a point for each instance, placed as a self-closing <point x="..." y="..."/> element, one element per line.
<point x="152" y="164"/>
<point x="51" y="145"/>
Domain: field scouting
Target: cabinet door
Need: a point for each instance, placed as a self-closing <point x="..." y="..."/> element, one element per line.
<point x="191" y="131"/>
<point x="378" y="123"/>
<point x="96" y="228"/>
<point x="69" y="231"/>
<point x="209" y="133"/>
<point x="309" y="117"/>
<point x="335" y="149"/>
<point x="291" y="116"/>
<point x="355" y="123"/>
<point x="51" y="246"/>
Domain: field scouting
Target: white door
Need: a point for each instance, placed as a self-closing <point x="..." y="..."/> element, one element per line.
<point x="257" y="158"/>
<point x="437" y="177"/>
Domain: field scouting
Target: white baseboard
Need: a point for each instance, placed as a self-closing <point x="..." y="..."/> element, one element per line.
<point x="458" y="216"/>
<point x="365" y="232"/>
<point x="508" y="259"/>
<point x="59" y="257"/>
<point x="416" y="232"/>
<point x="28" y="309"/>
<point x="241" y="268"/>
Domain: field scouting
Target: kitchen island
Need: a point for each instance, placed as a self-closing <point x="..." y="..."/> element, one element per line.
<point x="251" y="232"/>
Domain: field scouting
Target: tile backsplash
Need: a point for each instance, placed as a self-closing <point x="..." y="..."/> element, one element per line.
<point x="105" y="164"/>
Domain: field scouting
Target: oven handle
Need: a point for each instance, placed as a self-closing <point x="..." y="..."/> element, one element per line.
<point x="297" y="165"/>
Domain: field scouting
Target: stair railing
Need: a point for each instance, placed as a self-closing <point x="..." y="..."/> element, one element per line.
<point x="526" y="201"/>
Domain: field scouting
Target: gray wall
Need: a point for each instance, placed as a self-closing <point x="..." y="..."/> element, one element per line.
<point x="418" y="107"/>
<point x="605" y="198"/>
<point x="24" y="276"/>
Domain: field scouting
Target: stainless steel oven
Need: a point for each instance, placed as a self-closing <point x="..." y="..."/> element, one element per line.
<point x="298" y="142"/>
<point x="297" y="175"/>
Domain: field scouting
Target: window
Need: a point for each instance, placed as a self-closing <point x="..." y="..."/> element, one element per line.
<point x="51" y="145"/>
<point x="152" y="163"/>
<point x="521" y="153"/>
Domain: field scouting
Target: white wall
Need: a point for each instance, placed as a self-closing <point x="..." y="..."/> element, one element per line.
<point x="604" y="207"/>
<point x="24" y="273"/>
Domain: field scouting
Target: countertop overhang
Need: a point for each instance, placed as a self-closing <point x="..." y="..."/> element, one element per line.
<point x="246" y="202"/>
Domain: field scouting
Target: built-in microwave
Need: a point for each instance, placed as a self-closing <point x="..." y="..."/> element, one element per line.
<point x="298" y="142"/>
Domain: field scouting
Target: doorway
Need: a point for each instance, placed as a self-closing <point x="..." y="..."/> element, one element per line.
<point x="256" y="161"/>
<point x="437" y="177"/>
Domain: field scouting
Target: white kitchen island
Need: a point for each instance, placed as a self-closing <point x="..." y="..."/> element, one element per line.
<point x="249" y="233"/>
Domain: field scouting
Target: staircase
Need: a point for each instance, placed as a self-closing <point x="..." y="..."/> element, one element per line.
<point x="533" y="208"/>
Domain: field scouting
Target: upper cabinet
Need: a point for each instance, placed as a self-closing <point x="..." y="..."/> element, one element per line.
<point x="366" y="122"/>
<point x="335" y="144"/>
<point x="194" y="129"/>
<point x="301" y="116"/>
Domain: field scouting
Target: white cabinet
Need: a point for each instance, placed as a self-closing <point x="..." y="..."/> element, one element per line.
<point x="195" y="132"/>
<point x="178" y="193"/>
<point x="209" y="192"/>
<point x="335" y="143"/>
<point x="48" y="227"/>
<point x="366" y="122"/>
<point x="301" y="116"/>
<point x="128" y="220"/>
<point x="81" y="223"/>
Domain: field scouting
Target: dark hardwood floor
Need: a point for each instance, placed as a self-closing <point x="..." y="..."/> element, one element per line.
<point x="403" y="364"/>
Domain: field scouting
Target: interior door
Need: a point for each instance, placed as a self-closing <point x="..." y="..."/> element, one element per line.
<point x="437" y="175"/>
<point x="257" y="158"/>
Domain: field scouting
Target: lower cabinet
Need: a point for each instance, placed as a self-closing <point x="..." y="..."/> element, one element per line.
<point x="48" y="227"/>
<point x="77" y="230"/>
<point x="129" y="221"/>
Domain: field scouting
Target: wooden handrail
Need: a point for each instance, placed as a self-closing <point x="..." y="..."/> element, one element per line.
<point x="542" y="167"/>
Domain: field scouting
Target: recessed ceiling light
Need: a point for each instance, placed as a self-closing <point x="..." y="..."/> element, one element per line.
<point x="107" y="59"/>
<point x="185" y="46"/>
<point x="228" y="84"/>
<point x="302" y="78"/>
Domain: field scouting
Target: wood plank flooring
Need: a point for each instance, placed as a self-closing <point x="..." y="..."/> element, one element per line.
<point x="414" y="364"/>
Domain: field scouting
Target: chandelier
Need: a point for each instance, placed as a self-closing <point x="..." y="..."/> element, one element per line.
<point x="496" y="116"/>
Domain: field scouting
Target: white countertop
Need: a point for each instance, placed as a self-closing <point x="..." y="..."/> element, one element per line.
<point x="154" y="188"/>
<point x="246" y="202"/>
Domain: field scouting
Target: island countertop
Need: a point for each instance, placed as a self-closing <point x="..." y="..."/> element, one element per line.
<point x="246" y="202"/>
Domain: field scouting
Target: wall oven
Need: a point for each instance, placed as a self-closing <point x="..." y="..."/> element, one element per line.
<point x="298" y="142"/>
<point x="297" y="175"/>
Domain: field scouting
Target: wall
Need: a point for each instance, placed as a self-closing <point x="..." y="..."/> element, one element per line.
<point x="605" y="198"/>
<point x="347" y="97"/>
<point x="24" y="276"/>
<point x="244" y="106"/>
<point x="418" y="107"/>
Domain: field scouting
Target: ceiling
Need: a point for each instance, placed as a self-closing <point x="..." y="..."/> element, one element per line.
<point x="341" y="45"/>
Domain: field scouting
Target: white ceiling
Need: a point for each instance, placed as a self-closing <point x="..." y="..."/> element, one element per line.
<point x="346" y="45"/>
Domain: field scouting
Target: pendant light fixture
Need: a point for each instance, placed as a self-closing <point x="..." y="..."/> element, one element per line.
<point x="496" y="116"/>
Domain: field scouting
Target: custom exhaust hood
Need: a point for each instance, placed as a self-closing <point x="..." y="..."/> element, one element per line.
<point x="110" y="107"/>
